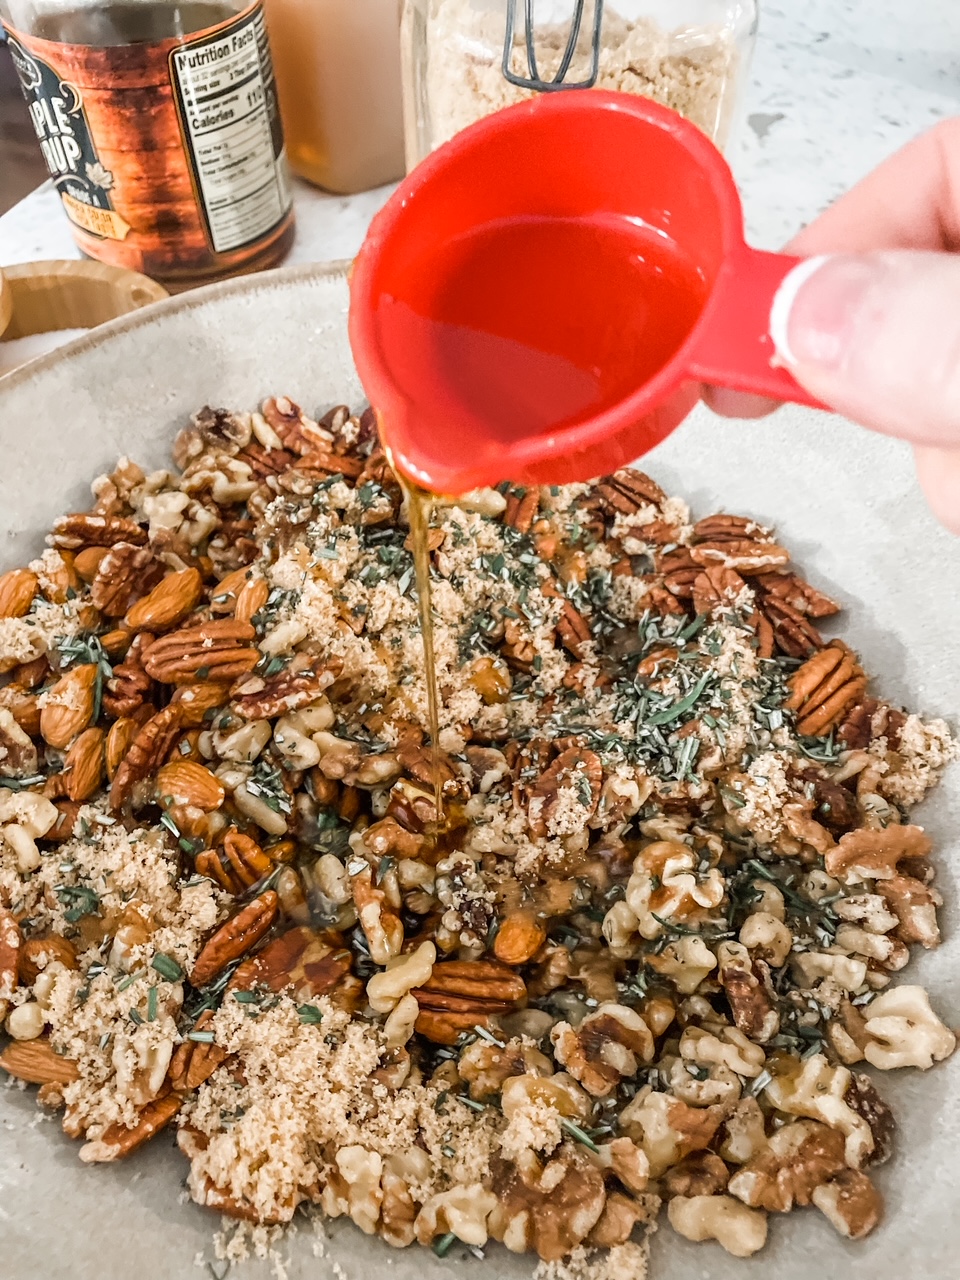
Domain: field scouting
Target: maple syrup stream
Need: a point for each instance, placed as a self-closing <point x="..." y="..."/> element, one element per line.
<point x="420" y="505"/>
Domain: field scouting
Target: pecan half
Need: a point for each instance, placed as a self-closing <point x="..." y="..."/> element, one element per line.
<point x="235" y="938"/>
<point x="573" y="629"/>
<point x="86" y="530"/>
<point x="125" y="573"/>
<point x="522" y="507"/>
<point x="205" y="1191"/>
<point x="127" y="689"/>
<point x="237" y="865"/>
<point x="300" y="960"/>
<point x="146" y="754"/>
<point x="628" y="491"/>
<point x="258" y="699"/>
<point x="823" y="689"/>
<point x="716" y="586"/>
<point x="10" y="943"/>
<point x="724" y="528"/>
<point x="117" y="1141"/>
<point x="214" y="650"/>
<point x="463" y="994"/>
<point x="320" y="463"/>
<point x="576" y="776"/>
<point x="798" y="594"/>
<point x="193" y="1062"/>
<point x="795" y="635"/>
<point x="744" y="554"/>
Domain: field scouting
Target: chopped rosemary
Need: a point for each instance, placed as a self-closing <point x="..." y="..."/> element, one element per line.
<point x="578" y="1134"/>
<point x="166" y="966"/>
<point x="484" y="1034"/>
<point x="443" y="1244"/>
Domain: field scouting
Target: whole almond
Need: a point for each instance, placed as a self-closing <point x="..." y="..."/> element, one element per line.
<point x="189" y="783"/>
<point x="168" y="603"/>
<point x="251" y="598"/>
<point x="87" y="562"/>
<point x="121" y="735"/>
<point x="36" y="1062"/>
<point x="223" y="597"/>
<point x="116" y="643"/>
<point x="17" y="589"/>
<point x="61" y="580"/>
<point x="83" y="765"/>
<point x="69" y="706"/>
<point x="520" y="936"/>
<point x="196" y="701"/>
<point x="37" y="953"/>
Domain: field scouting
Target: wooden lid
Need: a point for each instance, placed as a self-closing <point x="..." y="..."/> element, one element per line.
<point x="37" y="297"/>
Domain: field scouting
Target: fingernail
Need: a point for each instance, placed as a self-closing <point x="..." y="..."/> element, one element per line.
<point x="815" y="309"/>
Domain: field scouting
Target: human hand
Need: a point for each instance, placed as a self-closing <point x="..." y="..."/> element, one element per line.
<point x="873" y="329"/>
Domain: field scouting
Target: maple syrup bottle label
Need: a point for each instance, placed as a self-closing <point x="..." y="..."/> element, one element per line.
<point x="167" y="153"/>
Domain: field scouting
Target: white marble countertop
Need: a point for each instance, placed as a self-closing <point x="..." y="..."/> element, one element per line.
<point x="835" y="86"/>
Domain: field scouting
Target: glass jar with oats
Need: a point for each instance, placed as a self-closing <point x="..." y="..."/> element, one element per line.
<point x="463" y="59"/>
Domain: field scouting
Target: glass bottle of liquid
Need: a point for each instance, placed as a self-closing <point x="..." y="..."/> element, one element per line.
<point x="691" y="55"/>
<point x="160" y="127"/>
<point x="338" y="76"/>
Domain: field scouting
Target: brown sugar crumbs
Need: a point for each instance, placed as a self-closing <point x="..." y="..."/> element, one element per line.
<point x="635" y="962"/>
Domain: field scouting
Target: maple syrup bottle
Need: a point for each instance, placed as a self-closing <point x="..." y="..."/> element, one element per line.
<point x="160" y="127"/>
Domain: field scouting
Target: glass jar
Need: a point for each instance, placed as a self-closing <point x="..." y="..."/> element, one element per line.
<point x="691" y="55"/>
<point x="160" y="127"/>
<point x="338" y="76"/>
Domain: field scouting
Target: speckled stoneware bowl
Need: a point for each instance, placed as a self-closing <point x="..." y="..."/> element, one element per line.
<point x="844" y="502"/>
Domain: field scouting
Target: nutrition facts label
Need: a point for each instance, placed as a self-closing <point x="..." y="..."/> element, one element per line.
<point x="228" y="108"/>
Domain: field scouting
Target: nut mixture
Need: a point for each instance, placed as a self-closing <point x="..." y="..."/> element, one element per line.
<point x="641" y="958"/>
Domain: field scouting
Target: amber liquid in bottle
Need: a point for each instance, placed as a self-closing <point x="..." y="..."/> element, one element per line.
<point x="160" y="127"/>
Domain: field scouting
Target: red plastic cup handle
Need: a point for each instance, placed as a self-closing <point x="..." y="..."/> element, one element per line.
<point x="734" y="347"/>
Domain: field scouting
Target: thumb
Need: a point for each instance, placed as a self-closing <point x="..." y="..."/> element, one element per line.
<point x="877" y="337"/>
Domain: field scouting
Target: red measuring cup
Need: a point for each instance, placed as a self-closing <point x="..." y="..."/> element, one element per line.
<point x="542" y="298"/>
